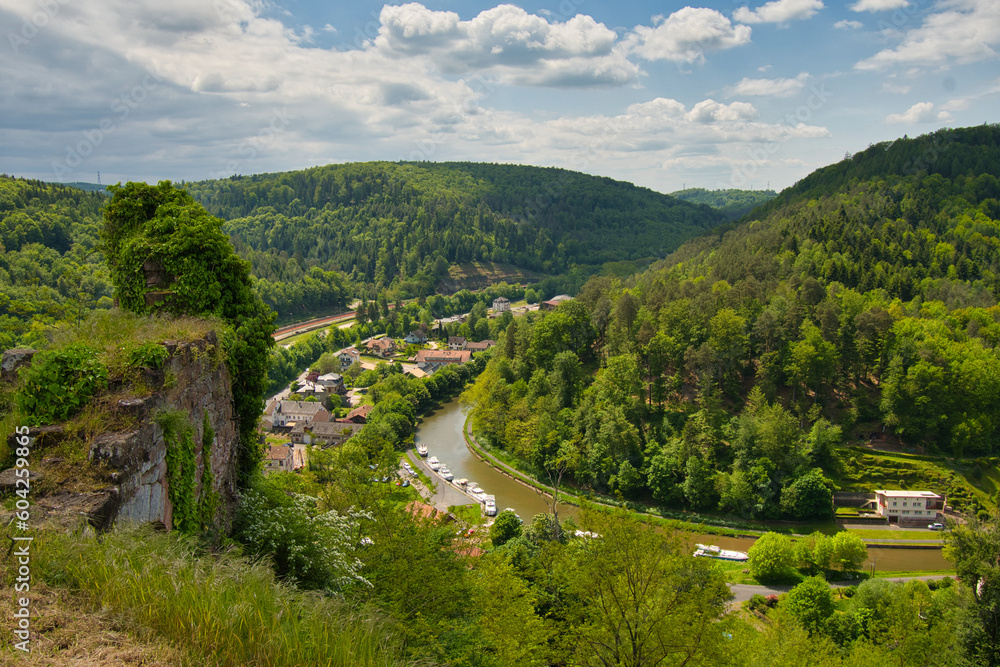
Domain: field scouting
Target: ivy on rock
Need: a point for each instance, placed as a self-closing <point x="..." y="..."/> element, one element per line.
<point x="167" y="254"/>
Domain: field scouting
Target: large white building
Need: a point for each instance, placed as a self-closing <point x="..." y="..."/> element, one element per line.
<point x="896" y="505"/>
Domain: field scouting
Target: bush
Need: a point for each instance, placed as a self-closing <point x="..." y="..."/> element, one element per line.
<point x="59" y="383"/>
<point x="758" y="603"/>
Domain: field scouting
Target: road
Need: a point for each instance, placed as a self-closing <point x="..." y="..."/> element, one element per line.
<point x="446" y="495"/>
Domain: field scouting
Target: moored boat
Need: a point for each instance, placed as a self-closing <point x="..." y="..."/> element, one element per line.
<point x="712" y="551"/>
<point x="444" y="472"/>
<point x="490" y="508"/>
<point x="434" y="463"/>
<point x="422" y="449"/>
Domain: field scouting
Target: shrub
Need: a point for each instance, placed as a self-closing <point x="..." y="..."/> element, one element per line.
<point x="59" y="383"/>
<point x="772" y="558"/>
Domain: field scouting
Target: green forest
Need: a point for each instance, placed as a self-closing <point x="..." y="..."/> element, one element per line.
<point x="734" y="204"/>
<point x="399" y="226"/>
<point x="860" y="304"/>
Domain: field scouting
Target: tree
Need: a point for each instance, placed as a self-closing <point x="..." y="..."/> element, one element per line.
<point x="848" y="551"/>
<point x="505" y="527"/>
<point x="772" y="557"/>
<point x="642" y="600"/>
<point x="811" y="603"/>
<point x="808" y="497"/>
<point x="974" y="548"/>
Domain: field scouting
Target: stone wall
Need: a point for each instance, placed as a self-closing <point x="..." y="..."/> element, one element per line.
<point x="191" y="380"/>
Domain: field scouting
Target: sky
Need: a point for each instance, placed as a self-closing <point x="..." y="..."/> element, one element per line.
<point x="667" y="96"/>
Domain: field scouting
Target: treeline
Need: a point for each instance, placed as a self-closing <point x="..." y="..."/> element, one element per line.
<point x="733" y="204"/>
<point x="726" y="377"/>
<point x="401" y="225"/>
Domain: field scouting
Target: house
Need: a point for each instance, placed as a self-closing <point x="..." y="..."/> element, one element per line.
<point x="554" y="302"/>
<point x="324" y="434"/>
<point x="431" y="360"/>
<point x="332" y="382"/>
<point x="481" y="346"/>
<point x="456" y="343"/>
<point x="306" y="388"/>
<point x="501" y="304"/>
<point x="278" y="459"/>
<point x="902" y="505"/>
<point x="417" y="337"/>
<point x="348" y="356"/>
<point x="382" y="347"/>
<point x="287" y="412"/>
<point x="359" y="415"/>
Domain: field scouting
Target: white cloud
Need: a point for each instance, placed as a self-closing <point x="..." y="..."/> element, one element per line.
<point x="848" y="25"/>
<point x="922" y="112"/>
<point x="771" y="87"/>
<point x="960" y="104"/>
<point x="878" y="5"/>
<point x="779" y="11"/>
<point x="895" y="89"/>
<point x="508" y="42"/>
<point x="965" y="32"/>
<point x="686" y="35"/>
<point x="329" y="28"/>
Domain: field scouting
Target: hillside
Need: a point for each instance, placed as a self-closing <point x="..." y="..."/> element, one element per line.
<point x="50" y="268"/>
<point x="733" y="204"/>
<point x="402" y="225"/>
<point x="859" y="307"/>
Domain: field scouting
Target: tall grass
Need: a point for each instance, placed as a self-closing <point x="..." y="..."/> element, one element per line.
<point x="220" y="607"/>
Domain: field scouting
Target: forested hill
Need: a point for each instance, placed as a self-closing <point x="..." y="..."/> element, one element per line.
<point x="50" y="268"/>
<point x="862" y="306"/>
<point x="400" y="225"/>
<point x="733" y="204"/>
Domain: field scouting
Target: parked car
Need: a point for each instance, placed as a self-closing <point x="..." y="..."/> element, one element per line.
<point x="935" y="526"/>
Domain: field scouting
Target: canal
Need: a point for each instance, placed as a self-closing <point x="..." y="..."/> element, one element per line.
<point x="442" y="433"/>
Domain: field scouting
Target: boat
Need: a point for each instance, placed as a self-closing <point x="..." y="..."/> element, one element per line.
<point x="434" y="463"/>
<point x="460" y="482"/>
<point x="444" y="472"/>
<point x="712" y="551"/>
<point x="491" y="506"/>
<point x="422" y="449"/>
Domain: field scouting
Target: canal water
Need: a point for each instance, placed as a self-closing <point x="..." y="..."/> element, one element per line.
<point x="442" y="433"/>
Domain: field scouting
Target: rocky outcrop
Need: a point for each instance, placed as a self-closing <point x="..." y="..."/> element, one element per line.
<point x="134" y="461"/>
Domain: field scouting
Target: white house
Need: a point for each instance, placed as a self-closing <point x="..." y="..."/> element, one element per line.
<point x="278" y="459"/>
<point x="297" y="411"/>
<point x="501" y="304"/>
<point x="348" y="356"/>
<point x="896" y="505"/>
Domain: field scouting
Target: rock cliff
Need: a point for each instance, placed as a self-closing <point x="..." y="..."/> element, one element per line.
<point x="125" y="474"/>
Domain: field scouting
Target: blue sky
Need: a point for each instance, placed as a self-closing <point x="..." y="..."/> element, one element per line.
<point x="714" y="95"/>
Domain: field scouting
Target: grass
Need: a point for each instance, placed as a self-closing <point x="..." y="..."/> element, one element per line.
<point x="220" y="607"/>
<point x="909" y="535"/>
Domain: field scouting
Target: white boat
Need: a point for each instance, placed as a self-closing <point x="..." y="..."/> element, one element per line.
<point x="444" y="472"/>
<point x="434" y="463"/>
<point x="461" y="482"/>
<point x="491" y="506"/>
<point x="422" y="449"/>
<point x="712" y="551"/>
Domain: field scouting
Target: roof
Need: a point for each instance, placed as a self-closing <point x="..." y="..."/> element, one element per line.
<point x="456" y="340"/>
<point x="898" y="493"/>
<point x="335" y="428"/>
<point x="501" y="299"/>
<point x="299" y="407"/>
<point x="361" y="411"/>
<point x="278" y="453"/>
<point x="480" y="346"/>
<point x="443" y="356"/>
<point x="353" y="351"/>
<point x="329" y="377"/>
